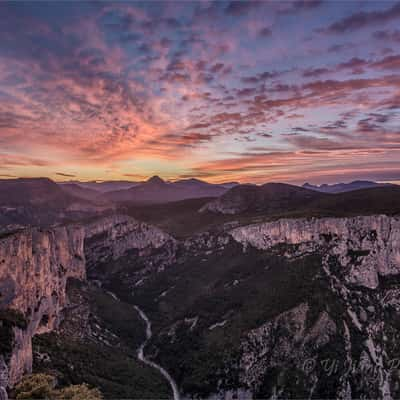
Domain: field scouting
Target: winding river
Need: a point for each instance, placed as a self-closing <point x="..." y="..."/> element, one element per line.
<point x="142" y="357"/>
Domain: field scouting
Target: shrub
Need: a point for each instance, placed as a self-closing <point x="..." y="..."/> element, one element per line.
<point x="78" y="392"/>
<point x="35" y="386"/>
<point x="42" y="386"/>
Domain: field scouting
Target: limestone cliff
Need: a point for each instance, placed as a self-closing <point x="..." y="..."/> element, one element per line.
<point x="34" y="267"/>
<point x="348" y="348"/>
<point x="373" y="240"/>
<point x="112" y="237"/>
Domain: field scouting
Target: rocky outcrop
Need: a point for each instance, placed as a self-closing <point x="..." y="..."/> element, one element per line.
<point x="3" y="378"/>
<point x="366" y="247"/>
<point x="112" y="237"/>
<point x="35" y="265"/>
<point x="285" y="343"/>
<point x="350" y="347"/>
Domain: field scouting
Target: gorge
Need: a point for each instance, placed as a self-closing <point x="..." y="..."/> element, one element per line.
<point x="343" y="293"/>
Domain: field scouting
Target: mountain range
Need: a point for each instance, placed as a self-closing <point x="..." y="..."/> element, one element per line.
<point x="40" y="201"/>
<point x="278" y="199"/>
<point x="230" y="295"/>
<point x="344" y="187"/>
<point x="103" y="186"/>
<point x="156" y="190"/>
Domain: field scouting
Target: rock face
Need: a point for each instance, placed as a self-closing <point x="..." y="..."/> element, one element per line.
<point x="284" y="342"/>
<point x="349" y="347"/>
<point x="366" y="247"/>
<point x="112" y="237"/>
<point x="35" y="266"/>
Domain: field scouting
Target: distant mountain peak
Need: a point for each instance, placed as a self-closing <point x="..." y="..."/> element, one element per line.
<point x="193" y="180"/>
<point x="344" y="187"/>
<point x="155" y="180"/>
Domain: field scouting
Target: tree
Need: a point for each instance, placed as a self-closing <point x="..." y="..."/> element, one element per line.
<point x="78" y="392"/>
<point x="35" y="386"/>
<point x="42" y="386"/>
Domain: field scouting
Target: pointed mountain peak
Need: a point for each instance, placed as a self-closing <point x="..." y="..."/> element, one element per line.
<point x="155" y="180"/>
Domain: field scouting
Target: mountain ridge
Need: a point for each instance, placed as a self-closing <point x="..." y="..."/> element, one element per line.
<point x="344" y="187"/>
<point x="155" y="190"/>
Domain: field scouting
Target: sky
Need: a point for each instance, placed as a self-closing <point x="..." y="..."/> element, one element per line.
<point x="254" y="91"/>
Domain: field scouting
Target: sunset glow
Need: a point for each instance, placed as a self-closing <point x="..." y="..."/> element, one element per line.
<point x="223" y="91"/>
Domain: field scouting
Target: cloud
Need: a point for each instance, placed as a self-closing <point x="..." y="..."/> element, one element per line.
<point x="95" y="89"/>
<point x="261" y="77"/>
<point x="336" y="48"/>
<point x="265" y="32"/>
<point x="315" y="72"/>
<point x="354" y="62"/>
<point x="300" y="5"/>
<point x="390" y="62"/>
<point x="16" y="160"/>
<point x="241" y="7"/>
<point x="317" y="143"/>
<point x="65" y="175"/>
<point x="363" y="19"/>
<point x="387" y="35"/>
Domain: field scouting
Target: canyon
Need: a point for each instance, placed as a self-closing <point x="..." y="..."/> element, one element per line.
<point x="239" y="311"/>
<point x="36" y="264"/>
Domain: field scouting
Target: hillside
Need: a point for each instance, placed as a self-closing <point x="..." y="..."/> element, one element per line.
<point x="40" y="201"/>
<point x="84" y="193"/>
<point x="104" y="186"/>
<point x="280" y="200"/>
<point x="33" y="191"/>
<point x="377" y="200"/>
<point x="156" y="190"/>
<point x="269" y="198"/>
<point x="187" y="217"/>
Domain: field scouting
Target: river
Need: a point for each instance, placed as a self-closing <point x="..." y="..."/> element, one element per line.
<point x="140" y="352"/>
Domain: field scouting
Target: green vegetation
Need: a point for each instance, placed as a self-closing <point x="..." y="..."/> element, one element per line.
<point x="13" y="317"/>
<point x="254" y="285"/>
<point x="293" y="381"/>
<point x="36" y="386"/>
<point x="118" y="317"/>
<point x="9" y="319"/>
<point x="181" y="218"/>
<point x="111" y="367"/>
<point x="243" y="289"/>
<point x="42" y="386"/>
<point x="78" y="392"/>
